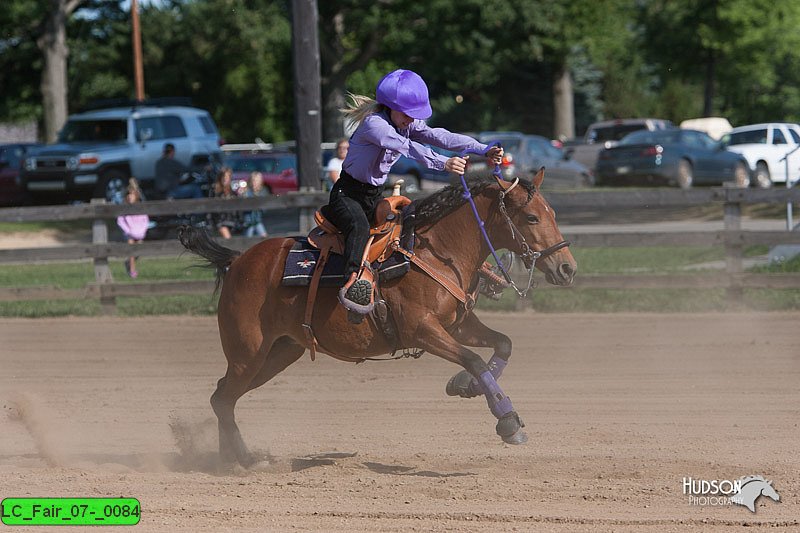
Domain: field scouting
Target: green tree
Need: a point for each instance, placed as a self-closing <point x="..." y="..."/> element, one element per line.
<point x="743" y="53"/>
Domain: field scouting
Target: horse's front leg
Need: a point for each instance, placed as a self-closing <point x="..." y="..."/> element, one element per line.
<point x="473" y="332"/>
<point x="434" y="339"/>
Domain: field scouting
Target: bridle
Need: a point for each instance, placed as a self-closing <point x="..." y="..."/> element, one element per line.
<point x="528" y="254"/>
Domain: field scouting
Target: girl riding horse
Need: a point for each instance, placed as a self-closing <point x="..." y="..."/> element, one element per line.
<point x="387" y="128"/>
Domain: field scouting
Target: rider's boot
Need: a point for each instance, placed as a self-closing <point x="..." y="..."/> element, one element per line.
<point x="357" y="295"/>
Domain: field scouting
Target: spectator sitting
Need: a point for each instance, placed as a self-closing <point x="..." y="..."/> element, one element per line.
<point x="224" y="222"/>
<point x="254" y="220"/>
<point x="171" y="176"/>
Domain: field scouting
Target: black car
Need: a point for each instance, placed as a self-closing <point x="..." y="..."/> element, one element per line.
<point x="12" y="157"/>
<point x="671" y="157"/>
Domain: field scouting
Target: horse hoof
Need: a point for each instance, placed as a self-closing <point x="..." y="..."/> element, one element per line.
<point x="517" y="438"/>
<point x="460" y="385"/>
<point x="509" y="427"/>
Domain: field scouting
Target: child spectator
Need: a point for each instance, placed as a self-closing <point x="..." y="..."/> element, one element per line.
<point x="134" y="226"/>
<point x="223" y="188"/>
<point x="254" y="220"/>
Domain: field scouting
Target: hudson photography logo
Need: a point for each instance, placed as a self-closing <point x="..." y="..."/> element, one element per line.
<point x="725" y="492"/>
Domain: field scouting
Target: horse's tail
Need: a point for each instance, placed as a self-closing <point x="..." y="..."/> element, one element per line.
<point x="199" y="242"/>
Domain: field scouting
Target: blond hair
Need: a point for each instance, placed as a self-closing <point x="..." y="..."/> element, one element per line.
<point x="359" y="108"/>
<point x="133" y="187"/>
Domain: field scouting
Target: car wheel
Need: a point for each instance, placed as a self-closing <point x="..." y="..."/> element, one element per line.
<point x="112" y="186"/>
<point x="741" y="176"/>
<point x="762" y="177"/>
<point x="685" y="175"/>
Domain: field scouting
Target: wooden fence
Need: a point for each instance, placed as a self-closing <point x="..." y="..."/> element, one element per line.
<point x="734" y="239"/>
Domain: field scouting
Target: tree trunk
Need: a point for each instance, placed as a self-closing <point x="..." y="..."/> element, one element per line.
<point x="335" y="71"/>
<point x="708" y="96"/>
<point x="563" y="106"/>
<point x="53" y="44"/>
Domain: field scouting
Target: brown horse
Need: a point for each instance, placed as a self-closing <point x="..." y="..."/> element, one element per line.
<point x="260" y="320"/>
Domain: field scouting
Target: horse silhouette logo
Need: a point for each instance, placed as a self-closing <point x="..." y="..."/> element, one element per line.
<point x="752" y="487"/>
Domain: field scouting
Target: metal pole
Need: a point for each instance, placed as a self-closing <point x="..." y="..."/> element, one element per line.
<point x="138" y="70"/>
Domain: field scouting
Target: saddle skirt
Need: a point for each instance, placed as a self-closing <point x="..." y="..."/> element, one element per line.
<point x="393" y="218"/>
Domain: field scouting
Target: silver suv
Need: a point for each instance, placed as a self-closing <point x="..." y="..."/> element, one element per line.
<point x="99" y="150"/>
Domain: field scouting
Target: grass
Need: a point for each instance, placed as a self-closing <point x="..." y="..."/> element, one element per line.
<point x="633" y="261"/>
<point x="66" y="226"/>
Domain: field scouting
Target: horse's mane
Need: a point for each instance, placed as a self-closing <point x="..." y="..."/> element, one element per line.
<point x="435" y="207"/>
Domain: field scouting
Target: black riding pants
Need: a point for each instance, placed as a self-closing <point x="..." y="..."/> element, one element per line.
<point x="352" y="209"/>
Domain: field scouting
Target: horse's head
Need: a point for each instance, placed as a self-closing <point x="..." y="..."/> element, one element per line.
<point x="535" y="221"/>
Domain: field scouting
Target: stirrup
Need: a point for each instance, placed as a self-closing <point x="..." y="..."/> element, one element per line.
<point x="356" y="295"/>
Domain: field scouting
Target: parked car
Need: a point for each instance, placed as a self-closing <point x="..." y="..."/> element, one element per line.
<point x="97" y="151"/>
<point x="764" y="146"/>
<point x="670" y="157"/>
<point x="606" y="134"/>
<point x="11" y="158"/>
<point x="526" y="154"/>
<point x="414" y="174"/>
<point x="279" y="169"/>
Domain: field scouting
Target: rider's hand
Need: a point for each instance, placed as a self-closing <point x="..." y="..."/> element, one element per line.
<point x="495" y="155"/>
<point x="456" y="164"/>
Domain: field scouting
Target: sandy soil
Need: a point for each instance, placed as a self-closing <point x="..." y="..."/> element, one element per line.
<point x="619" y="408"/>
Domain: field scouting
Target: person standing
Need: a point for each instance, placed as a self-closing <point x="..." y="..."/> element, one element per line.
<point x="254" y="220"/>
<point x="133" y="226"/>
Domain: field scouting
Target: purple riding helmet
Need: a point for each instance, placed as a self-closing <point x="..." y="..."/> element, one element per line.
<point x="405" y="91"/>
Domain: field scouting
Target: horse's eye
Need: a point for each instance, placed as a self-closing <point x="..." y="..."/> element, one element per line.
<point x="533" y="219"/>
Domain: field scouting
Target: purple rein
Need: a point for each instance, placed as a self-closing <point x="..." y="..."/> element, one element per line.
<point x="468" y="196"/>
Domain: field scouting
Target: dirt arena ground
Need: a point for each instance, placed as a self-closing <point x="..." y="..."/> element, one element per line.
<point x="619" y="409"/>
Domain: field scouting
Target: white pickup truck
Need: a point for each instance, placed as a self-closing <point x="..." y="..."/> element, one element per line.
<point x="766" y="146"/>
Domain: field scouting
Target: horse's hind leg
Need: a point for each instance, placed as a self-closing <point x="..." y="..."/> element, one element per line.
<point x="239" y="379"/>
<point x="473" y="332"/>
<point x="229" y="389"/>
<point x="283" y="353"/>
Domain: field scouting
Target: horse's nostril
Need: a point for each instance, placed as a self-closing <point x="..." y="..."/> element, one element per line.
<point x="565" y="269"/>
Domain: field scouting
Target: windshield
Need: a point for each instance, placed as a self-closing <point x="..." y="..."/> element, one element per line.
<point x="747" y="137"/>
<point x="251" y="164"/>
<point x="651" y="137"/>
<point x="613" y="133"/>
<point x="508" y="143"/>
<point x="94" y="131"/>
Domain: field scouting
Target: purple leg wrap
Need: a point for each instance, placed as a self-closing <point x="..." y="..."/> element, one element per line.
<point x="496" y="366"/>
<point x="499" y="403"/>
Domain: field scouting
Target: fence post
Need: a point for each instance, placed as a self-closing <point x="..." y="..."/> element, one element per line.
<point x="733" y="244"/>
<point x="102" y="272"/>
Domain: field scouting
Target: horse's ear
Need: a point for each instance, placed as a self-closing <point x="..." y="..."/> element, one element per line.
<point x="538" y="178"/>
